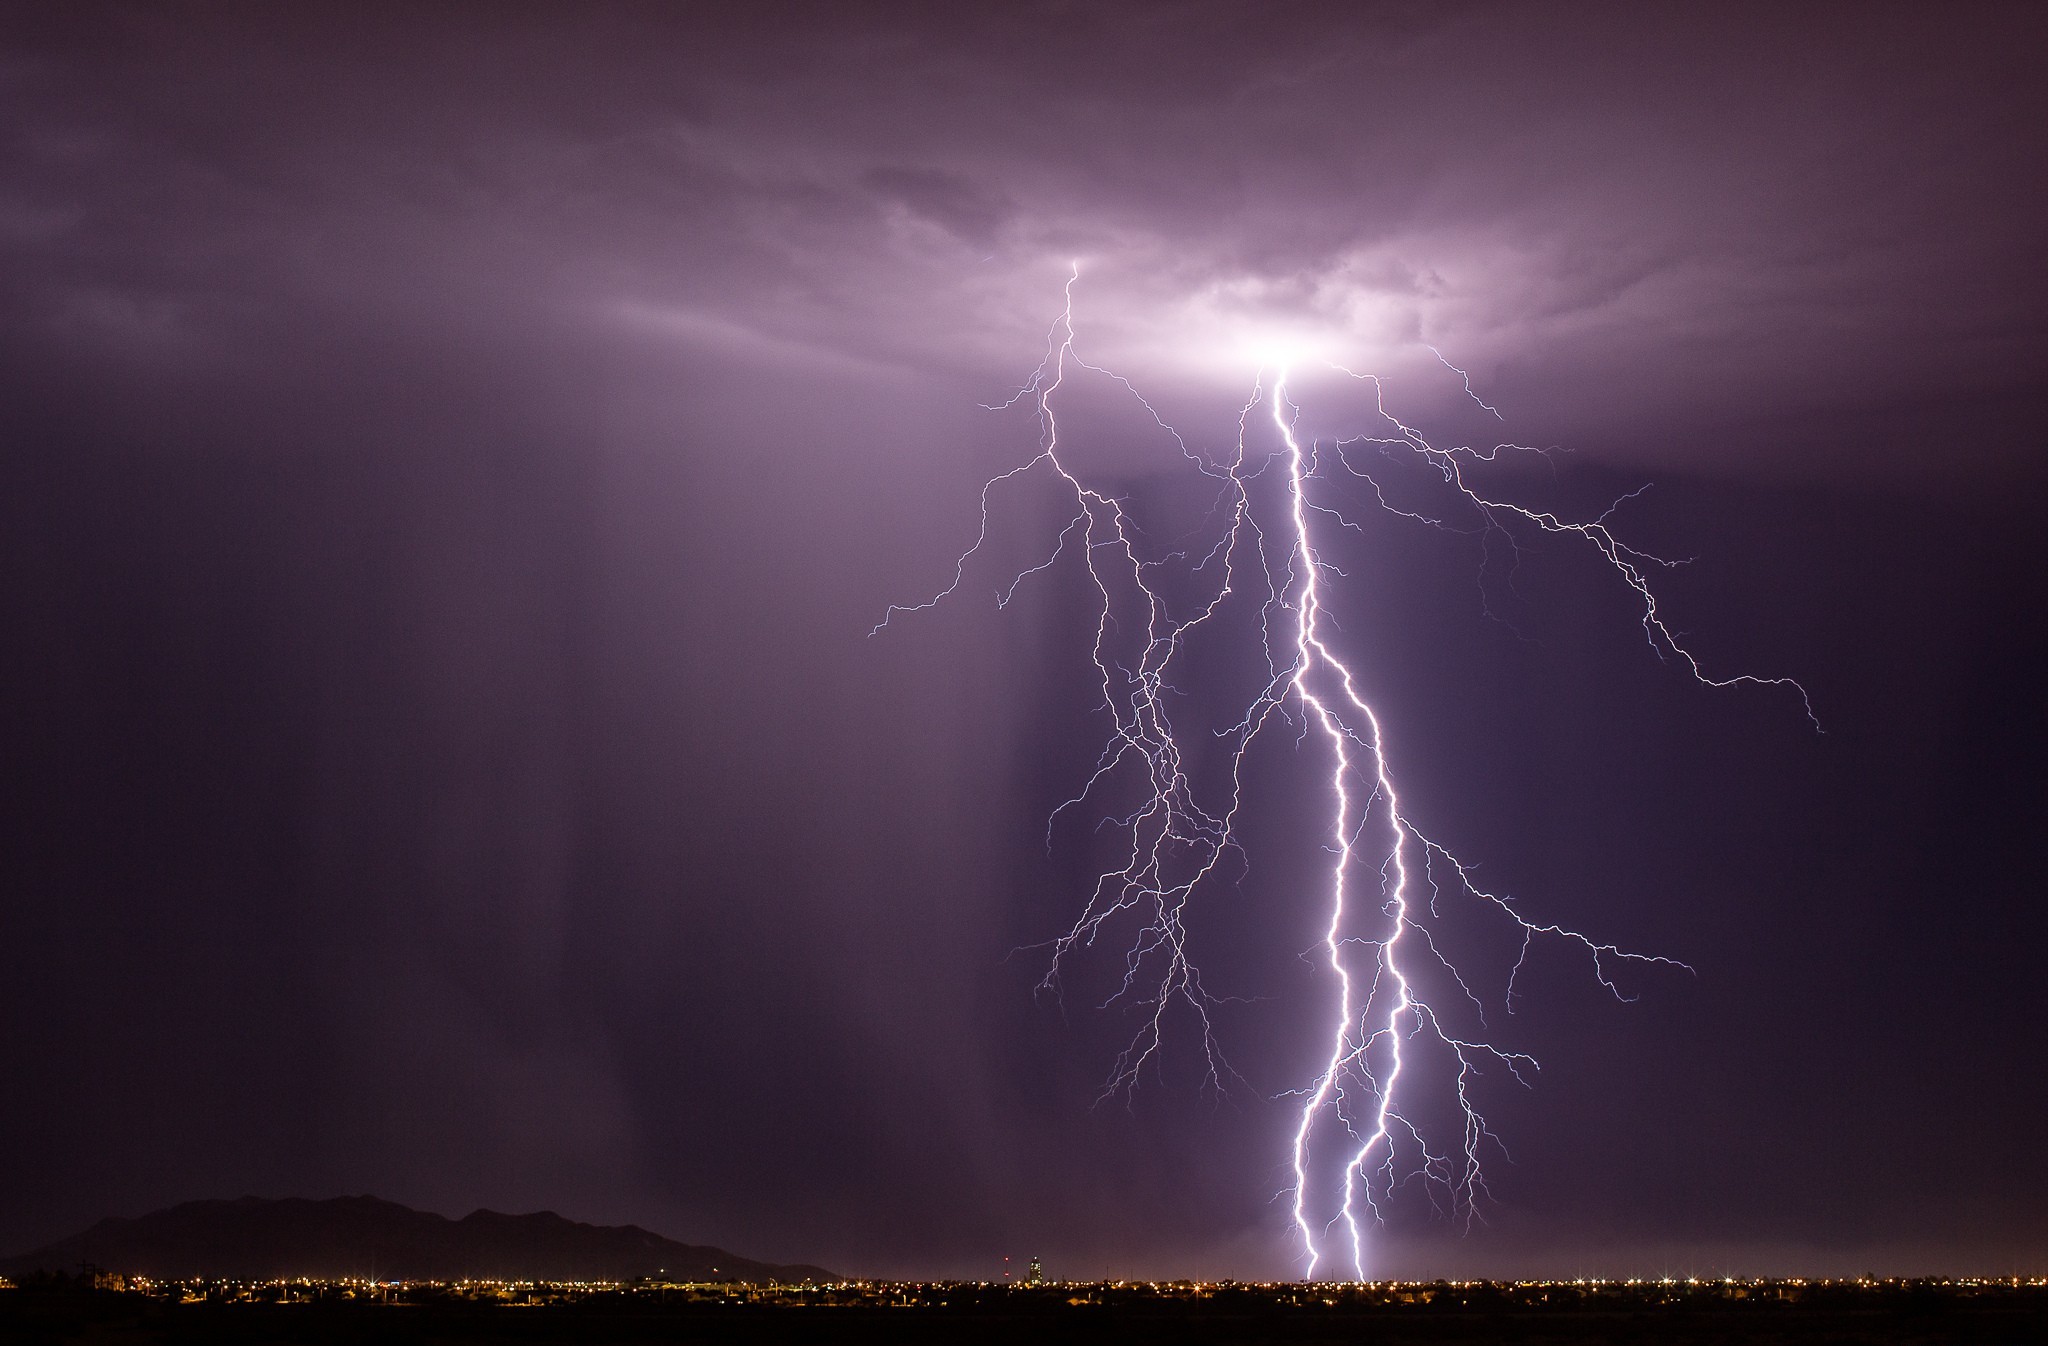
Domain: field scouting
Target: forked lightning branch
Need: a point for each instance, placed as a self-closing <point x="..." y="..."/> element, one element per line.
<point x="1402" y="1042"/>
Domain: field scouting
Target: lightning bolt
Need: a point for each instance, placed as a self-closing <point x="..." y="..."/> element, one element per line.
<point x="1398" y="1008"/>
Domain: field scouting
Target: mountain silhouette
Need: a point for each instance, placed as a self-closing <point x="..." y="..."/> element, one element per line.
<point x="362" y="1236"/>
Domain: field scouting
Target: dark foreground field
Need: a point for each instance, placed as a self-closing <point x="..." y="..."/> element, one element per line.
<point x="1247" y="1315"/>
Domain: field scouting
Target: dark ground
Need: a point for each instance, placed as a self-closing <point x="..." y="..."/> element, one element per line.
<point x="1886" y="1314"/>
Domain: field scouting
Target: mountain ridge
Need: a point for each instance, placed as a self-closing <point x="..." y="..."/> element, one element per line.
<point x="261" y="1238"/>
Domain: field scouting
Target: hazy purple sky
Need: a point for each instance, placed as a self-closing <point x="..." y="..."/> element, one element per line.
<point x="454" y="455"/>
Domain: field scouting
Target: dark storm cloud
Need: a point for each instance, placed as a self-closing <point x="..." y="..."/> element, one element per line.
<point x="1819" y="206"/>
<point x="457" y="451"/>
<point x="957" y="204"/>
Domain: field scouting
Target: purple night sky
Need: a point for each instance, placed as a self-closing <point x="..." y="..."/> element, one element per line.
<point x="454" y="456"/>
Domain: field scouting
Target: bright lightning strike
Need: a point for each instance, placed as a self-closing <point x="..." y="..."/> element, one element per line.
<point x="1392" y="1103"/>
